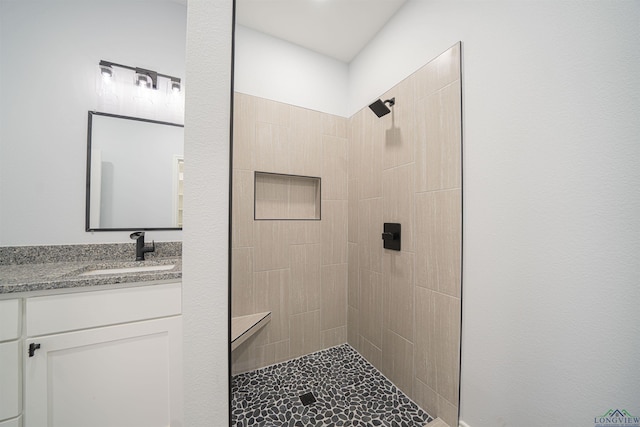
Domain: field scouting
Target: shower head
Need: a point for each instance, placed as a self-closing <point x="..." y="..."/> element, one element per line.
<point x="380" y="109"/>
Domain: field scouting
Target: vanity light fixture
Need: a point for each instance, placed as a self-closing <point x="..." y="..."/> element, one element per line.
<point x="143" y="77"/>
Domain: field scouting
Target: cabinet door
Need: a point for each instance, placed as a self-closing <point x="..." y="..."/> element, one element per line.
<point x="124" y="375"/>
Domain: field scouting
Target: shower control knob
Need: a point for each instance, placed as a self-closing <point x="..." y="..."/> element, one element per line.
<point x="391" y="236"/>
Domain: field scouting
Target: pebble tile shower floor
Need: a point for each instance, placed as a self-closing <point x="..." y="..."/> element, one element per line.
<point x="348" y="392"/>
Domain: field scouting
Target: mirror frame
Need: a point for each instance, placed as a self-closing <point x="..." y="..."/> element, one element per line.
<point x="88" y="227"/>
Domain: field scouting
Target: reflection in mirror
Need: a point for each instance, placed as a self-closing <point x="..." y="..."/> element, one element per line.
<point x="134" y="173"/>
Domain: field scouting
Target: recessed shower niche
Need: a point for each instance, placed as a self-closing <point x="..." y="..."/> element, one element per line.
<point x="292" y="197"/>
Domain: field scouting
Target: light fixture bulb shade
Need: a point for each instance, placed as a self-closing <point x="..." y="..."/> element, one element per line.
<point x="106" y="71"/>
<point x="175" y="86"/>
<point x="143" y="80"/>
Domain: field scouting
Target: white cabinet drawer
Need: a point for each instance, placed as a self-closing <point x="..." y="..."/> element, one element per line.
<point x="82" y="310"/>
<point x="10" y="390"/>
<point x="9" y="319"/>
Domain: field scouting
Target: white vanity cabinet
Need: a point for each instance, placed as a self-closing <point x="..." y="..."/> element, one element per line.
<point x="104" y="358"/>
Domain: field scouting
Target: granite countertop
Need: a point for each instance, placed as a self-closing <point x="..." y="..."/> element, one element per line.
<point x="17" y="278"/>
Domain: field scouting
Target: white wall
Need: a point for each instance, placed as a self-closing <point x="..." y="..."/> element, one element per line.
<point x="49" y="51"/>
<point x="551" y="326"/>
<point x="206" y="213"/>
<point x="272" y="68"/>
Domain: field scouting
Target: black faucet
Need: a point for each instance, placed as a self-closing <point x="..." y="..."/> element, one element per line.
<point x="138" y="236"/>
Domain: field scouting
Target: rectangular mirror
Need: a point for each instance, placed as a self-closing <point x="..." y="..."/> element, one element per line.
<point x="134" y="173"/>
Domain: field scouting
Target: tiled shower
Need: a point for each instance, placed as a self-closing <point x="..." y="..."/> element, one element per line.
<point x="328" y="281"/>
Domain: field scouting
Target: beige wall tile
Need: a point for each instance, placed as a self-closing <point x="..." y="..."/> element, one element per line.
<point x="334" y="232"/>
<point x="353" y="333"/>
<point x="313" y="276"/>
<point x="450" y="149"/>
<point x="372" y="353"/>
<point x="305" y="333"/>
<point x="272" y="294"/>
<point x="439" y="143"/>
<point x="273" y="112"/>
<point x="398" y="291"/>
<point x="305" y="278"/>
<point x="334" y="125"/>
<point x="398" y="201"/>
<point x="370" y="310"/>
<point x="334" y="296"/>
<point x="447" y="350"/>
<point x="425" y="340"/>
<point x="242" y="225"/>
<point x="438" y="249"/>
<point x="352" y="213"/>
<point x="242" y="297"/>
<point x="306" y="142"/>
<point x="282" y="352"/>
<point x="244" y="131"/>
<point x="328" y="124"/>
<point x="437" y="350"/>
<point x="370" y="227"/>
<point x="271" y="196"/>
<point x="301" y="232"/>
<point x="272" y="353"/>
<point x="447" y="411"/>
<point x="397" y="360"/>
<point x="334" y="168"/>
<point x="371" y="145"/>
<point x="439" y="72"/>
<point x="354" y="276"/>
<point x="271" y="245"/>
<point x="400" y="132"/>
<point x="426" y="79"/>
<point x="304" y="198"/>
<point x="266" y="354"/>
<point x="449" y="65"/>
<point x="355" y="136"/>
<point x="420" y="147"/>
<point x="333" y="337"/>
<point x="426" y="398"/>
<point x="297" y="291"/>
<point x="272" y="148"/>
<point x="342" y="124"/>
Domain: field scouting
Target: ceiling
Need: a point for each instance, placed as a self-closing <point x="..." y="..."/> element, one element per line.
<point x="336" y="28"/>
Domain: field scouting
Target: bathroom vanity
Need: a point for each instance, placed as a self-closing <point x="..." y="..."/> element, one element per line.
<point x="92" y="348"/>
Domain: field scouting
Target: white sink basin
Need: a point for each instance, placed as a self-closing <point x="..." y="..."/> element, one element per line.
<point x="125" y="270"/>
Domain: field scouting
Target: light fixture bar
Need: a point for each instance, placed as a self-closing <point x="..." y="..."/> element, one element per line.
<point x="150" y="75"/>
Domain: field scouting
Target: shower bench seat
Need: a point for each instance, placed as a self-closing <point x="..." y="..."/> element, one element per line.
<point x="242" y="327"/>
